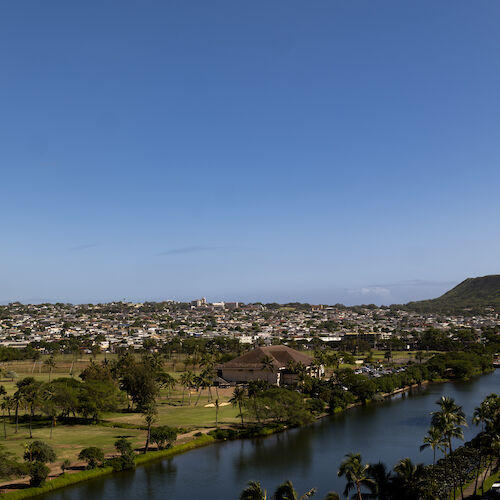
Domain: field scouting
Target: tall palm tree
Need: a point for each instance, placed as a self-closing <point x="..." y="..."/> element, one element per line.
<point x="51" y="363"/>
<point x="450" y="419"/>
<point x="253" y="491"/>
<point x="36" y="356"/>
<point x="286" y="491"/>
<point x="434" y="440"/>
<point x="217" y="413"/>
<point x="30" y="390"/>
<point x="356" y="474"/>
<point x="18" y="400"/>
<point x="167" y="381"/>
<point x="239" y="396"/>
<point x="485" y="415"/>
<point x="254" y="388"/>
<point x="187" y="380"/>
<point x="487" y="412"/>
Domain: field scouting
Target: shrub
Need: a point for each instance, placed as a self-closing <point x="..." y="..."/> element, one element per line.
<point x="126" y="459"/>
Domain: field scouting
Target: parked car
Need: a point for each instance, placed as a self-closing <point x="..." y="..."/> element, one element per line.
<point x="494" y="492"/>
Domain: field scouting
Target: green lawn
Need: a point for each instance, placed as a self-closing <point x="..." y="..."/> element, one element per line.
<point x="188" y="417"/>
<point x="68" y="440"/>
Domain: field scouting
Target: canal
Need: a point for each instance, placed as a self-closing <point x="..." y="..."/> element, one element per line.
<point x="309" y="456"/>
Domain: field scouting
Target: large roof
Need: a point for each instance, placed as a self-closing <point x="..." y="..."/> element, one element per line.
<point x="280" y="355"/>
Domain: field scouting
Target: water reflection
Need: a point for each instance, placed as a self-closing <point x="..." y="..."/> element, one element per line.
<point x="278" y="451"/>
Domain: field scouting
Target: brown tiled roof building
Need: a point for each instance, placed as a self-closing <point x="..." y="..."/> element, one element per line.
<point x="250" y="366"/>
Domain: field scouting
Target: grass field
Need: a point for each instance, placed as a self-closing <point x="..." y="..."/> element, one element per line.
<point x="68" y="440"/>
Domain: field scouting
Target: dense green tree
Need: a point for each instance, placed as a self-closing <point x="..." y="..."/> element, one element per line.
<point x="92" y="455"/>
<point x="9" y="466"/>
<point x="38" y="451"/>
<point x="163" y="436"/>
<point x="38" y="473"/>
<point x="150" y="412"/>
<point x="126" y="459"/>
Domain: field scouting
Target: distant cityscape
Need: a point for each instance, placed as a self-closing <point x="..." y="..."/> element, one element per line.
<point x="118" y="326"/>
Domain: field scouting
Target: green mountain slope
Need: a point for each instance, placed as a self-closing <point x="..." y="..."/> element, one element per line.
<point x="473" y="293"/>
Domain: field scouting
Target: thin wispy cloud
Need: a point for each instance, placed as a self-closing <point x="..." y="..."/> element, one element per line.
<point x="399" y="292"/>
<point x="187" y="250"/>
<point x="85" y="246"/>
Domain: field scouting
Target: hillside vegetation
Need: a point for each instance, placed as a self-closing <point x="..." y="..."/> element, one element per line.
<point x="476" y="294"/>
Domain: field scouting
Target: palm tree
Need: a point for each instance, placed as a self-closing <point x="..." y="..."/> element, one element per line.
<point x="331" y="495"/>
<point x="36" y="356"/>
<point x="411" y="480"/>
<point x="207" y="362"/>
<point x="434" y="440"/>
<point x="286" y="491"/>
<point x="254" y="387"/>
<point x="356" y="474"/>
<point x="267" y="364"/>
<point x="487" y="411"/>
<point x="186" y="380"/>
<point x="450" y="419"/>
<point x="484" y="414"/>
<point x="239" y="396"/>
<point x="382" y="489"/>
<point x="18" y="400"/>
<point x="51" y="363"/>
<point x="217" y="413"/>
<point x="167" y="381"/>
<point x="29" y="389"/>
<point x="203" y="381"/>
<point x="253" y="491"/>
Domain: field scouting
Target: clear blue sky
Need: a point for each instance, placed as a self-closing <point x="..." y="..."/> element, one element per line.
<point x="322" y="151"/>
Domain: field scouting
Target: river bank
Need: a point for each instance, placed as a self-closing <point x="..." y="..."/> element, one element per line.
<point x="197" y="442"/>
<point x="68" y="479"/>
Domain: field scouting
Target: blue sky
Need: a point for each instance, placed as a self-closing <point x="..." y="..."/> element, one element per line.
<point x="327" y="151"/>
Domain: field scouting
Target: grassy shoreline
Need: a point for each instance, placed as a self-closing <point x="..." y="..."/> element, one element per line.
<point x="204" y="440"/>
<point x="86" y="475"/>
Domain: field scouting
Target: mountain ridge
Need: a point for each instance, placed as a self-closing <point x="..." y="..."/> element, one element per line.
<point x="478" y="294"/>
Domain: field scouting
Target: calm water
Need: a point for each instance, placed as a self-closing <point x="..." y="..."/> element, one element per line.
<point x="308" y="456"/>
